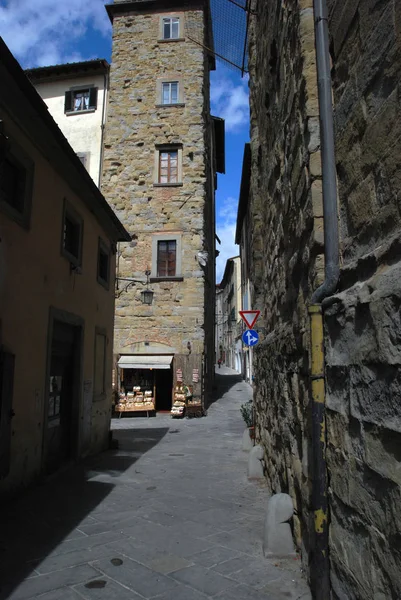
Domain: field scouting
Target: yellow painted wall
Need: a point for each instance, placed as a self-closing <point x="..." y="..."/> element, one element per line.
<point x="35" y="276"/>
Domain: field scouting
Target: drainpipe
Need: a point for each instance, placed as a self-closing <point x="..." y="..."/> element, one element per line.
<point x="103" y="125"/>
<point x="320" y="575"/>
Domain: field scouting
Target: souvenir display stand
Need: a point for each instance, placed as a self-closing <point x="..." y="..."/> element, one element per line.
<point x="184" y="404"/>
<point x="141" y="396"/>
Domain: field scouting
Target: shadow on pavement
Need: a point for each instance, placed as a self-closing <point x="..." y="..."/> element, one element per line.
<point x="41" y="518"/>
<point x="223" y="384"/>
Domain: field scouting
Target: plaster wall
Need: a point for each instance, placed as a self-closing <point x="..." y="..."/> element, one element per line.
<point x="36" y="277"/>
<point x="83" y="130"/>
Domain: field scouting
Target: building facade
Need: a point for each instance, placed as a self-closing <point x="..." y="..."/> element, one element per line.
<point x="362" y="333"/>
<point x="76" y="95"/>
<point x="162" y="151"/>
<point x="243" y="239"/>
<point x="57" y="256"/>
<point x="231" y="302"/>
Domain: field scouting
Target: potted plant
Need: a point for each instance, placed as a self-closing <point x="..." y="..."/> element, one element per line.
<point x="247" y="414"/>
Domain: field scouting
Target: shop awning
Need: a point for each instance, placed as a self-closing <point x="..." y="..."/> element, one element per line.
<point x="145" y="361"/>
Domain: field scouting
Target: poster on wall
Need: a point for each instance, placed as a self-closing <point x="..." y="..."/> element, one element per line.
<point x="195" y="375"/>
<point x="179" y="375"/>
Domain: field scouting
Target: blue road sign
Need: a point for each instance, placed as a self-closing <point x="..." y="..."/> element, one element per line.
<point x="250" y="337"/>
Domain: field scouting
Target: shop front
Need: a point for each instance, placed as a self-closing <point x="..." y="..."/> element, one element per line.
<point x="145" y="383"/>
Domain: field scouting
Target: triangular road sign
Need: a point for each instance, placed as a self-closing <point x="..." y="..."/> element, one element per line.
<point x="249" y="317"/>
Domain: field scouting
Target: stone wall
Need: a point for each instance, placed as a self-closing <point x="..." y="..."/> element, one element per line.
<point x="287" y="237"/>
<point x="137" y="123"/>
<point x="363" y="324"/>
<point x="362" y="321"/>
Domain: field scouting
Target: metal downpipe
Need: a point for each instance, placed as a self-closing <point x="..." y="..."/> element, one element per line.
<point x="320" y="575"/>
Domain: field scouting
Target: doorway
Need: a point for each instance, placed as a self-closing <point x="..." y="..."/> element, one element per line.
<point x="62" y="412"/>
<point x="164" y="389"/>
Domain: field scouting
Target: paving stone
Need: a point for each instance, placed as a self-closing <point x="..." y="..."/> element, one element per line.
<point x="214" y="556"/>
<point x="111" y="591"/>
<point x="183" y="593"/>
<point x="71" y="559"/>
<point x="63" y="593"/>
<point x="168" y="563"/>
<point x="186" y="528"/>
<point x="45" y="583"/>
<point x="138" y="578"/>
<point x="203" y="580"/>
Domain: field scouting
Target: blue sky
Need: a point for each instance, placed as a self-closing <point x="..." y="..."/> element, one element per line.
<point x="45" y="32"/>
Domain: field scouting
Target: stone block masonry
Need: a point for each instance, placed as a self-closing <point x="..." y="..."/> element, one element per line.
<point x="363" y="325"/>
<point x="286" y="242"/>
<point x="362" y="321"/>
<point x="138" y="126"/>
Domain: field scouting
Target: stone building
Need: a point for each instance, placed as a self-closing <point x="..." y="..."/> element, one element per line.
<point x="362" y="328"/>
<point x="162" y="152"/>
<point x="58" y="238"/>
<point x="76" y="95"/>
<point x="231" y="302"/>
<point x="243" y="239"/>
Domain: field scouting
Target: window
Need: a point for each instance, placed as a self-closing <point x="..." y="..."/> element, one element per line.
<point x="12" y="183"/>
<point x="80" y="100"/>
<point x="72" y="236"/>
<point x="170" y="92"/>
<point x="84" y="158"/>
<point x="100" y="365"/>
<point x="168" y="166"/>
<point x="171" y="28"/>
<point x="166" y="258"/>
<point x="16" y="180"/>
<point x="103" y="264"/>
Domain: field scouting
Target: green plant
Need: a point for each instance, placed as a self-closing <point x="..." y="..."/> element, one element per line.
<point x="247" y="413"/>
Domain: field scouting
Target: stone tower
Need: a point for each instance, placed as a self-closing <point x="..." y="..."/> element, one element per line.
<point x="162" y="150"/>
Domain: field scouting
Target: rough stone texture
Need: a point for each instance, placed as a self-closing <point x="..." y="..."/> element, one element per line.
<point x="286" y="240"/>
<point x="363" y="325"/>
<point x="182" y="311"/>
<point x="362" y="321"/>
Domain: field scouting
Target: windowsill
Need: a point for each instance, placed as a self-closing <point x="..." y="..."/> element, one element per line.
<point x="167" y="185"/>
<point x="157" y="279"/>
<point x="80" y="112"/>
<point x="73" y="260"/>
<point x="22" y="218"/>
<point x="163" y="41"/>
<point x="176" y="105"/>
<point x="103" y="283"/>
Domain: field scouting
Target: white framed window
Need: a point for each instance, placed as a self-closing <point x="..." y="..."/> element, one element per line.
<point x="171" y="28"/>
<point x="166" y="256"/>
<point x="80" y="100"/>
<point x="168" y="166"/>
<point x="170" y="92"/>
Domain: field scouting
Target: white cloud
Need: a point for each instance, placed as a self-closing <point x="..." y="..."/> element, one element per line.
<point x="43" y="32"/>
<point x="230" y="100"/>
<point x="226" y="226"/>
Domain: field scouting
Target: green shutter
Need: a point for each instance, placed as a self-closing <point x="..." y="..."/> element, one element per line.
<point x="68" y="102"/>
<point x="92" y="97"/>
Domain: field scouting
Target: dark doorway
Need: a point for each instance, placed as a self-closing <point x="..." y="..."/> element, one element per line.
<point x="63" y="397"/>
<point x="164" y="389"/>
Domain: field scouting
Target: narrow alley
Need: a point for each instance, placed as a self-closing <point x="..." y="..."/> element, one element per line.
<point x="169" y="515"/>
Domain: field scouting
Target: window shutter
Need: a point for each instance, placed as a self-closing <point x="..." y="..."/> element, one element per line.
<point x="68" y="102"/>
<point x="92" y="97"/>
<point x="7" y="361"/>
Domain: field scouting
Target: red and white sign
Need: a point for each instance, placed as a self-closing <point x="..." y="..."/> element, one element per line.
<point x="249" y="317"/>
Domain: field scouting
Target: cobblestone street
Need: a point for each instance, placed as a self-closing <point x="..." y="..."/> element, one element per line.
<point x="169" y="515"/>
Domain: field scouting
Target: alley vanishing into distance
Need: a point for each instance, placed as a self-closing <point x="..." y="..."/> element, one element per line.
<point x="169" y="515"/>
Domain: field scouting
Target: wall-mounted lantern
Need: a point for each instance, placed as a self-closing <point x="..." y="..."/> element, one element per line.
<point x="146" y="295"/>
